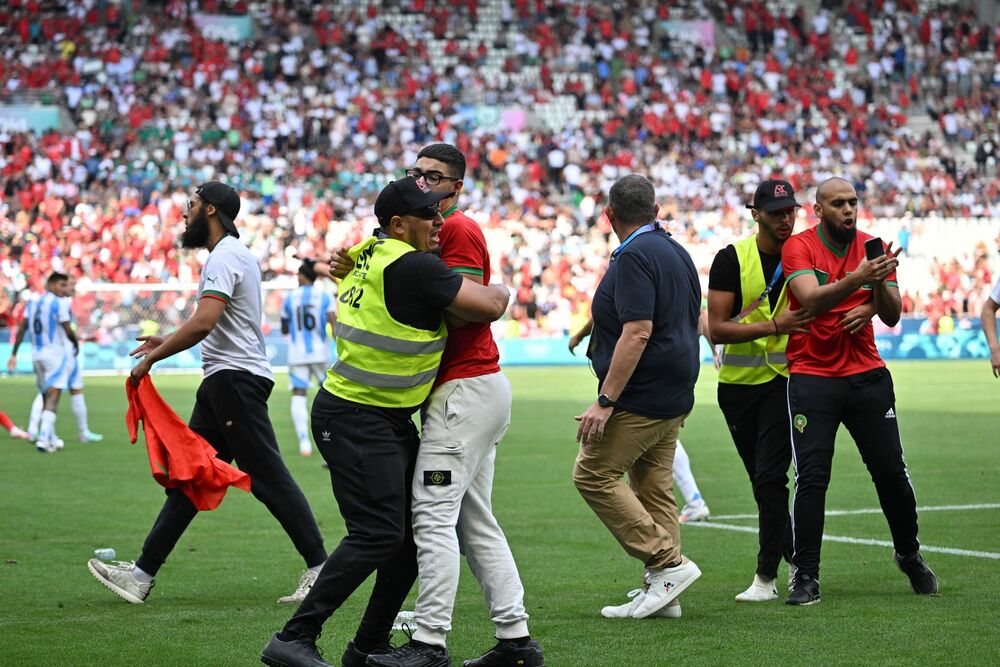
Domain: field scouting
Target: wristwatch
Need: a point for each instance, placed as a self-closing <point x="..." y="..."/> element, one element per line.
<point x="605" y="402"/>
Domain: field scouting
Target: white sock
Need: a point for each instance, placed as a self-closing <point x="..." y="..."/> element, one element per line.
<point x="683" y="475"/>
<point x="316" y="568"/>
<point x="141" y="577"/>
<point x="300" y="417"/>
<point x="47" y="433"/>
<point x="36" y="414"/>
<point x="80" y="410"/>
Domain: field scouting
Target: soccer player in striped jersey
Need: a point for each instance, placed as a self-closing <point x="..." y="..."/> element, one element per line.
<point x="304" y="316"/>
<point x="75" y="381"/>
<point x="47" y="316"/>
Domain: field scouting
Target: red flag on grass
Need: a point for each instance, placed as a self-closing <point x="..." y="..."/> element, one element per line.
<point x="178" y="457"/>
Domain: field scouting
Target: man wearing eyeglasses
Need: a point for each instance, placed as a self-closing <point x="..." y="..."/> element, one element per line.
<point x="465" y="448"/>
<point x="465" y="417"/>
<point x="230" y="410"/>
<point x="390" y="338"/>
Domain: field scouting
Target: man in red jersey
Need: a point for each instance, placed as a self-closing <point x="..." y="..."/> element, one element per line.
<point x="837" y="377"/>
<point x="465" y="418"/>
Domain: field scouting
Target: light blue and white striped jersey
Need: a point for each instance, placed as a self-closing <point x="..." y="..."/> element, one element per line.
<point x="304" y="312"/>
<point x="45" y="314"/>
<point x="68" y="301"/>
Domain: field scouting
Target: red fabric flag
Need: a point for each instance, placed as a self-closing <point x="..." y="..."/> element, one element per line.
<point x="178" y="457"/>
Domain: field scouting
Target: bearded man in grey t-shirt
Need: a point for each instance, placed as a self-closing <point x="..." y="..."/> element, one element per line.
<point x="230" y="410"/>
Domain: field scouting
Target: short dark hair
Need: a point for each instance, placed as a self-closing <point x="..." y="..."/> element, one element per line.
<point x="308" y="270"/>
<point x="56" y="277"/>
<point x="448" y="154"/>
<point x="633" y="200"/>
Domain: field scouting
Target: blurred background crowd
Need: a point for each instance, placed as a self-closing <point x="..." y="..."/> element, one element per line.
<point x="310" y="107"/>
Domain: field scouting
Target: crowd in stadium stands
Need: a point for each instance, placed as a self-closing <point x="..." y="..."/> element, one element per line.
<point x="331" y="100"/>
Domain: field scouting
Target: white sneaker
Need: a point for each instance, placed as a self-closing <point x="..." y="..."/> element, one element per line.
<point x="696" y="511"/>
<point x="18" y="433"/>
<point x="761" y="590"/>
<point x="405" y="619"/>
<point x="45" y="446"/>
<point x="305" y="448"/>
<point x="58" y="443"/>
<point x="665" y="585"/>
<point x="672" y="610"/>
<point x="118" y="577"/>
<point x="90" y="436"/>
<point x="305" y="585"/>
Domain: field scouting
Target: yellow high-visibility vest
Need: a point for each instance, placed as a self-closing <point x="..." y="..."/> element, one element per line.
<point x="380" y="361"/>
<point x="761" y="360"/>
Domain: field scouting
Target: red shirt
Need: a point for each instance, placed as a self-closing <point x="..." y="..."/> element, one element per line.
<point x="828" y="349"/>
<point x="471" y="350"/>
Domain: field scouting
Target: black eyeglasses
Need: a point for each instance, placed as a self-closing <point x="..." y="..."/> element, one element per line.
<point x="426" y="213"/>
<point x="430" y="177"/>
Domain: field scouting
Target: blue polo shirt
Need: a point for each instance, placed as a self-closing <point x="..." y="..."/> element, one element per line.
<point x="652" y="278"/>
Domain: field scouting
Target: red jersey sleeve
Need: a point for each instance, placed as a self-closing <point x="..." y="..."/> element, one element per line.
<point x="796" y="257"/>
<point x="463" y="246"/>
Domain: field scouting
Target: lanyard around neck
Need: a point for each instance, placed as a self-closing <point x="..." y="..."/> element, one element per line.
<point x="759" y="300"/>
<point x="631" y="237"/>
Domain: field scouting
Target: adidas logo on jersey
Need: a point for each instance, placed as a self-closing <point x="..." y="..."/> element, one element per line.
<point x="891" y="414"/>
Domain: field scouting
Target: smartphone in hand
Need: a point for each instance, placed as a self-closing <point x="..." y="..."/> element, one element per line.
<point x="874" y="248"/>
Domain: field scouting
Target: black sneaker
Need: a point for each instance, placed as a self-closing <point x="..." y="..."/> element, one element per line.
<point x="922" y="580"/>
<point x="804" y="592"/>
<point x="354" y="658"/>
<point x="413" y="654"/>
<point x="296" y="653"/>
<point x="508" y="654"/>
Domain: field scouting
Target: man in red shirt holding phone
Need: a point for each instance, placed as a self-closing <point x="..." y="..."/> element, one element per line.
<point x="837" y="377"/>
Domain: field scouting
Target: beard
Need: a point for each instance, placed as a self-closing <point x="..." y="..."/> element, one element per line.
<point x="842" y="235"/>
<point x="196" y="234"/>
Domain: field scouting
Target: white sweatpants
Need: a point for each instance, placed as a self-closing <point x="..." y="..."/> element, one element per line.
<point x="453" y="512"/>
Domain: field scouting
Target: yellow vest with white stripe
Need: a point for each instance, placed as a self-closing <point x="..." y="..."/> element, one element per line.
<point x="761" y="360"/>
<point x="380" y="361"/>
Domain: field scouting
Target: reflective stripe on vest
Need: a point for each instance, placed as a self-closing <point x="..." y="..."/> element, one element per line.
<point x="753" y="361"/>
<point x="761" y="360"/>
<point x="382" y="380"/>
<point x="388" y="343"/>
<point x="380" y="361"/>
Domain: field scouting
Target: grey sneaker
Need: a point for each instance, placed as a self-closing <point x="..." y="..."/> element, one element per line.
<point x="118" y="577"/>
<point x="296" y="653"/>
<point x="305" y="585"/>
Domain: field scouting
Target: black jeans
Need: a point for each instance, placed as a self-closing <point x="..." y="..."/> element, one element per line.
<point x="371" y="453"/>
<point x="757" y="416"/>
<point x="866" y="404"/>
<point x="230" y="412"/>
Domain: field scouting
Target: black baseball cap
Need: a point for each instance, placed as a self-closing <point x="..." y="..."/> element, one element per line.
<point x="226" y="201"/>
<point x="774" y="195"/>
<point x="406" y="195"/>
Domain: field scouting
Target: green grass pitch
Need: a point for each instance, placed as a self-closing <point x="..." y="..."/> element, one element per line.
<point x="214" y="603"/>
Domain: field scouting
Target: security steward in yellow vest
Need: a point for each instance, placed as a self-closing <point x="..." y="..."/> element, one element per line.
<point x="390" y="336"/>
<point x="748" y="312"/>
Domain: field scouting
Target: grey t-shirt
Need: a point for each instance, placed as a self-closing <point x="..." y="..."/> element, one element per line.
<point x="233" y="275"/>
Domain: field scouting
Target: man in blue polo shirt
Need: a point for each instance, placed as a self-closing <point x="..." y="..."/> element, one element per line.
<point x="645" y="353"/>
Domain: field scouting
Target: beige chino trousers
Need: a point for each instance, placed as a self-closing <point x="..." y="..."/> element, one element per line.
<point x="642" y="515"/>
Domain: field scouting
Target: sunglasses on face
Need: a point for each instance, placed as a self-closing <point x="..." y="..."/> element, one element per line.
<point x="426" y="213"/>
<point x="431" y="178"/>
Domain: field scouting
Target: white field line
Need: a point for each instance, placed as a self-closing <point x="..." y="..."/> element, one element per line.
<point x="924" y="548"/>
<point x="876" y="510"/>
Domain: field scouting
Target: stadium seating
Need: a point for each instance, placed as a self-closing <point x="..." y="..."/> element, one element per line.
<point x="325" y="102"/>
